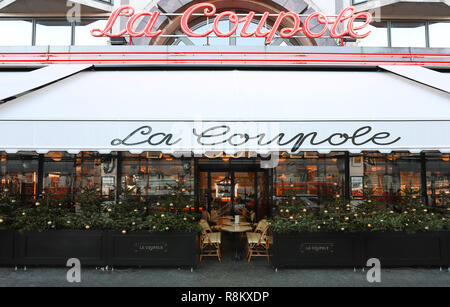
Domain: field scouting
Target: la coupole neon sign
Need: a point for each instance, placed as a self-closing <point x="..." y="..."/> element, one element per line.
<point x="340" y="26"/>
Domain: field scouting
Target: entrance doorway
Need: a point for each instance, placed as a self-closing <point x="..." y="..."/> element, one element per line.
<point x="234" y="187"/>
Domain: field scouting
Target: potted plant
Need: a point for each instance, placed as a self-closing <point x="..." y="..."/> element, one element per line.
<point x="340" y="234"/>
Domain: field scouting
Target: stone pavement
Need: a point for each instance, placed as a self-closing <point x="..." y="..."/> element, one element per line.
<point x="227" y="274"/>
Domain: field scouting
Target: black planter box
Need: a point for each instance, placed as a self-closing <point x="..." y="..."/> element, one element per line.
<point x="55" y="247"/>
<point x="152" y="249"/>
<point x="402" y="249"/>
<point x="317" y="250"/>
<point x="393" y="249"/>
<point x="6" y="247"/>
<point x="446" y="238"/>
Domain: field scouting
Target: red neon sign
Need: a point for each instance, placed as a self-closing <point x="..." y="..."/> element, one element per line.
<point x="336" y="26"/>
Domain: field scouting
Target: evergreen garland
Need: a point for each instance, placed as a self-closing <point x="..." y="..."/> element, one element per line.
<point x="406" y="215"/>
<point x="91" y="211"/>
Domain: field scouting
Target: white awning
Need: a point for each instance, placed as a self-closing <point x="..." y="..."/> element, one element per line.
<point x="17" y="84"/>
<point x="230" y="111"/>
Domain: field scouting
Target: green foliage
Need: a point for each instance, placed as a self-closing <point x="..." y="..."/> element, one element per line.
<point x="178" y="197"/>
<point x="91" y="211"/>
<point x="173" y="222"/>
<point x="408" y="215"/>
<point x="41" y="215"/>
<point x="8" y="201"/>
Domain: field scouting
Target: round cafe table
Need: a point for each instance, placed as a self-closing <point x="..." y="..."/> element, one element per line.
<point x="235" y="230"/>
<point x="240" y="223"/>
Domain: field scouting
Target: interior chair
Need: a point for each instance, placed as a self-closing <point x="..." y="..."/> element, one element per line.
<point x="252" y="217"/>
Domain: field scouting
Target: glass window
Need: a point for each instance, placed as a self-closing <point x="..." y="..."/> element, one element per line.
<point x="438" y="178"/>
<point x="83" y="33"/>
<point x="249" y="41"/>
<point x="19" y="174"/>
<point x="312" y="177"/>
<point x="59" y="175"/>
<point x="224" y="26"/>
<point x="88" y="170"/>
<point x="157" y="177"/>
<point x="408" y="34"/>
<point x="391" y="176"/>
<point x="15" y="32"/>
<point x="378" y="36"/>
<point x="439" y="34"/>
<point x="53" y="32"/>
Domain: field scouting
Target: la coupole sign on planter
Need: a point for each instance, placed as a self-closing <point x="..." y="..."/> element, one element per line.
<point x="338" y="27"/>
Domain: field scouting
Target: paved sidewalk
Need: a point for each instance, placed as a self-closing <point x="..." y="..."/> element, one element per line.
<point x="228" y="274"/>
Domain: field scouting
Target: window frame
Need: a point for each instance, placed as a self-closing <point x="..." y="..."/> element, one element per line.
<point x="34" y="21"/>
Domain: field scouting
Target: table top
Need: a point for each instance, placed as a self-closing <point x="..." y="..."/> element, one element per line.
<point x="240" y="223"/>
<point x="236" y="228"/>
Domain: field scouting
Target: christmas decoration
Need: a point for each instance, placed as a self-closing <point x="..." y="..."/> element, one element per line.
<point x="407" y="214"/>
<point x="91" y="211"/>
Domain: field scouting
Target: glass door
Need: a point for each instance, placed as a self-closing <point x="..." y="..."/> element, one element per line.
<point x="233" y="192"/>
<point x="245" y="201"/>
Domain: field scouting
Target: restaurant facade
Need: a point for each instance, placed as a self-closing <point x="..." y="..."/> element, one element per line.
<point x="235" y="102"/>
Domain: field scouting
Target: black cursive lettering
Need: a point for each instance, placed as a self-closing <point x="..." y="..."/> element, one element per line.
<point x="217" y="135"/>
<point x="146" y="130"/>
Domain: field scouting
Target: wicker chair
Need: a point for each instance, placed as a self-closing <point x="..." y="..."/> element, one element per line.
<point x="261" y="225"/>
<point x="209" y="242"/>
<point x="258" y="242"/>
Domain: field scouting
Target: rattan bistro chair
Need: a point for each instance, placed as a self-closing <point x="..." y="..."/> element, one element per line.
<point x="261" y="225"/>
<point x="209" y="242"/>
<point x="258" y="243"/>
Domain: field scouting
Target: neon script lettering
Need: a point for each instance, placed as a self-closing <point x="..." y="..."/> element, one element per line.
<point x="338" y="27"/>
